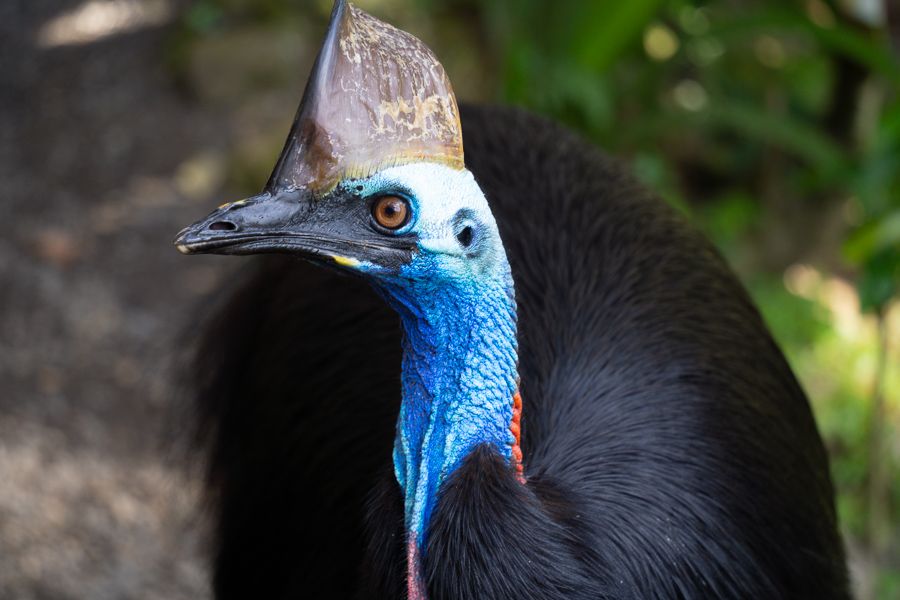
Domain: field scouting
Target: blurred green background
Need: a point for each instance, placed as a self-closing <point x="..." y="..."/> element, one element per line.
<point x="773" y="125"/>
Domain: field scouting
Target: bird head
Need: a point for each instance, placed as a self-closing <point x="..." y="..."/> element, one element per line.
<point x="372" y="180"/>
<point x="372" y="177"/>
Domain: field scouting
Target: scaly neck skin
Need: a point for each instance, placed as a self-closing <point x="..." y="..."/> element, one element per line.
<point x="459" y="378"/>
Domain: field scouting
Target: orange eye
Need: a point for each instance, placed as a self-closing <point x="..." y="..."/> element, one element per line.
<point x="391" y="212"/>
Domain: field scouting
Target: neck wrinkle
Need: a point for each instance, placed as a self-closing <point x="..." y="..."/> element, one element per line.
<point x="459" y="383"/>
<point x="459" y="379"/>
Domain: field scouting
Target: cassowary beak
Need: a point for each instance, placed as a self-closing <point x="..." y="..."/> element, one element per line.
<point x="329" y="230"/>
<point x="264" y="223"/>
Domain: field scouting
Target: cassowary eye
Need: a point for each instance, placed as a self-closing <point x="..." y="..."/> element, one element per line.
<point x="391" y="212"/>
<point x="465" y="236"/>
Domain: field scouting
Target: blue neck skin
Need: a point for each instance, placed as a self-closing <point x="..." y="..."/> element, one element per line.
<point x="459" y="377"/>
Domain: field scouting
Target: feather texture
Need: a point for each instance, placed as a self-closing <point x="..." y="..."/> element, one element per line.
<point x="669" y="450"/>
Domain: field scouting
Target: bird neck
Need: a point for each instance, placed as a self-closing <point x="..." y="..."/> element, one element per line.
<point x="459" y="383"/>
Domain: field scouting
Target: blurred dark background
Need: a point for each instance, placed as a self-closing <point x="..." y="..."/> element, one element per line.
<point x="773" y="125"/>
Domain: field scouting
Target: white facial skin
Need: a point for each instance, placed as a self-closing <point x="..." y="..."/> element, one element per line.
<point x="444" y="202"/>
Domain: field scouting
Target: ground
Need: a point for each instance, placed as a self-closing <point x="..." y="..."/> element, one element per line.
<point x="104" y="156"/>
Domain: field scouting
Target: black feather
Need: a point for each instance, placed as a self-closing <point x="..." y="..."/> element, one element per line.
<point x="669" y="450"/>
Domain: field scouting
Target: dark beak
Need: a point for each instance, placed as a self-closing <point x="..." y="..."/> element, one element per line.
<point x="264" y="223"/>
<point x="330" y="230"/>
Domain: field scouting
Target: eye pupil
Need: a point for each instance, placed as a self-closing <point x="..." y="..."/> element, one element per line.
<point x="390" y="212"/>
<point x="465" y="236"/>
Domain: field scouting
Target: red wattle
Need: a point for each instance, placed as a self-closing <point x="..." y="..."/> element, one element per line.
<point x="515" y="427"/>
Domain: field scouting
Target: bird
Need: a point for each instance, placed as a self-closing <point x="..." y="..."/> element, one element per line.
<point x="481" y="361"/>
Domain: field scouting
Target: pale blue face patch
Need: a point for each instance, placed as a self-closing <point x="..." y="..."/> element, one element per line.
<point x="450" y="217"/>
<point x="456" y="301"/>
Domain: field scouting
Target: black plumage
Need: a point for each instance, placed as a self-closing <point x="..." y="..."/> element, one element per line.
<point x="669" y="450"/>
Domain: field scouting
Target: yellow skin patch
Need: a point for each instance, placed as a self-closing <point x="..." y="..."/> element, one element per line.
<point x="346" y="261"/>
<point x="236" y="203"/>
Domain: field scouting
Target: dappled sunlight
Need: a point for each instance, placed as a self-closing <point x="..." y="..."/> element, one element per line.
<point x="98" y="19"/>
<point x="660" y="42"/>
<point x="844" y="353"/>
<point x="847" y="379"/>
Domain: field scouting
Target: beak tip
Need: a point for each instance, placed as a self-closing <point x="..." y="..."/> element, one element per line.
<point x="181" y="241"/>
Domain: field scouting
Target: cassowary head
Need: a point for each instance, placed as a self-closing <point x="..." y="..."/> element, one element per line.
<point x="372" y="180"/>
<point x="372" y="177"/>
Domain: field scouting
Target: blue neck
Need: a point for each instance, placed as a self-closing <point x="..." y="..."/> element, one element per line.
<point x="459" y="377"/>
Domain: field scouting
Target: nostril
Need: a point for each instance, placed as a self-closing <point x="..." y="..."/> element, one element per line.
<point x="222" y="226"/>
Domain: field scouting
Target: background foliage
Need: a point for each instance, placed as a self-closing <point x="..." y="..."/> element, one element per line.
<point x="774" y="125"/>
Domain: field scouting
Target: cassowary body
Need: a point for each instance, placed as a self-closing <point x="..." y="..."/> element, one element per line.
<point x="668" y="450"/>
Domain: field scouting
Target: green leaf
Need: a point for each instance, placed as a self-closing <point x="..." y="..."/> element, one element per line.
<point x="603" y="30"/>
<point x="880" y="279"/>
<point x="868" y="50"/>
<point x="203" y="17"/>
<point x="751" y="122"/>
<point x="874" y="237"/>
<point x="802" y="139"/>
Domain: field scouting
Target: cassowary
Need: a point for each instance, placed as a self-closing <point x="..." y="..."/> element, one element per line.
<point x="578" y="400"/>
